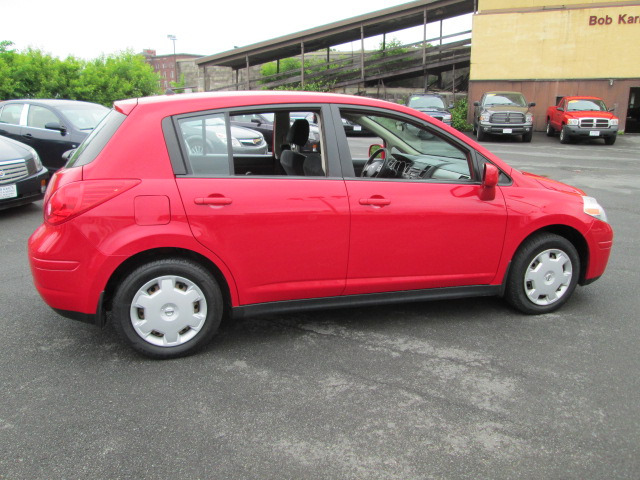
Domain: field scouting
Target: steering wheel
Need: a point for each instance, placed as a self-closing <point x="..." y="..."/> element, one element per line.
<point x="373" y="167"/>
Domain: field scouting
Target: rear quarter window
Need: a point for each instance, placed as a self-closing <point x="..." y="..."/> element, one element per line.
<point x="96" y="141"/>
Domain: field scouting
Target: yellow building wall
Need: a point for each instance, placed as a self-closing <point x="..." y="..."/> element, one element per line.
<point x="484" y="5"/>
<point x="558" y="43"/>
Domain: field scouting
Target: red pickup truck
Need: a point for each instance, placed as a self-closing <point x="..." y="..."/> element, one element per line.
<point x="576" y="117"/>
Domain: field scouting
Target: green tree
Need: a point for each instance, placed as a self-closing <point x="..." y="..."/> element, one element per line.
<point x="459" y="116"/>
<point x="34" y="74"/>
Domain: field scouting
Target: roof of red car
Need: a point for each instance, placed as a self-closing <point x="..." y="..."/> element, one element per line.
<point x="209" y="100"/>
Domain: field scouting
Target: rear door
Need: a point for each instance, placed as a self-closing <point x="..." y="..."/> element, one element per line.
<point x="282" y="237"/>
<point x="10" y="125"/>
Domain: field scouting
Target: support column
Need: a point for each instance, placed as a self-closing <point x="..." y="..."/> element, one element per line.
<point x="362" y="53"/>
<point x="302" y="65"/>
<point x="248" y="73"/>
<point x="424" y="52"/>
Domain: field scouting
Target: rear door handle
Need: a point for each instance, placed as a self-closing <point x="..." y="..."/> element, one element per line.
<point x="28" y="135"/>
<point x="218" y="201"/>
<point x="376" y="201"/>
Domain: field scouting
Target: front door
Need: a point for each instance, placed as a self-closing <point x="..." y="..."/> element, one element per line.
<point x="417" y="218"/>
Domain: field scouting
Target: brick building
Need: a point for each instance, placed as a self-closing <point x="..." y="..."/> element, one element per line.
<point x="165" y="65"/>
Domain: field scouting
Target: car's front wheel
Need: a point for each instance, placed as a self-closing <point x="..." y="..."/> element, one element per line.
<point x="480" y="135"/>
<point x="564" y="135"/>
<point x="543" y="275"/>
<point x="168" y="308"/>
<point x="610" y="140"/>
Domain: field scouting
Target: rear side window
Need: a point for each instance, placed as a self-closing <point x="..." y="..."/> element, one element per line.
<point x="11" y="113"/>
<point x="94" y="143"/>
<point x="205" y="142"/>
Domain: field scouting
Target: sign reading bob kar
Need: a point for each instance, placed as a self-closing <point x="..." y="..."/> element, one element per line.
<point x="623" y="19"/>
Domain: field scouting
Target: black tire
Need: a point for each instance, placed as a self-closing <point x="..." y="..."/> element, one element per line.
<point x="543" y="274"/>
<point x="564" y="135"/>
<point x="480" y="135"/>
<point x="475" y="128"/>
<point x="526" y="137"/>
<point x="550" y="131"/>
<point x="165" y="288"/>
<point x="610" y="140"/>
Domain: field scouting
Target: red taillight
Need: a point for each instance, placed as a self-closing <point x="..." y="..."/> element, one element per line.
<point x="75" y="198"/>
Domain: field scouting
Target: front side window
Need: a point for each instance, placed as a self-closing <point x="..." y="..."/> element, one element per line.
<point x="406" y="151"/>
<point x="38" y="117"/>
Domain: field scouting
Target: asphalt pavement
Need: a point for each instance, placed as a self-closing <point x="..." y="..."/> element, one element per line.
<point x="464" y="389"/>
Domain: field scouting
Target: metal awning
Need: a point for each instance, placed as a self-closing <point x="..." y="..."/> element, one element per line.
<point x="382" y="21"/>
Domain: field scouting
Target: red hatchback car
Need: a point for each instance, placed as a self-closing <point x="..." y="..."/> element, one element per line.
<point x="169" y="239"/>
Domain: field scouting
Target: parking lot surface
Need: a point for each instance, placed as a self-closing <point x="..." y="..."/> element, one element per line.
<point x="463" y="389"/>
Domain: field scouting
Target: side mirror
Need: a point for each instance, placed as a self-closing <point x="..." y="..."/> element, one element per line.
<point x="374" y="148"/>
<point x="611" y="109"/>
<point x="476" y="104"/>
<point x="67" y="155"/>
<point x="560" y="109"/>
<point x="256" y="121"/>
<point x="532" y="104"/>
<point x="56" y="126"/>
<point x="451" y="105"/>
<point x="490" y="177"/>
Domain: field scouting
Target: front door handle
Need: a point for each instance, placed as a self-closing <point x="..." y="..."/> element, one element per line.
<point x="218" y="201"/>
<point x="376" y="201"/>
<point x="28" y="135"/>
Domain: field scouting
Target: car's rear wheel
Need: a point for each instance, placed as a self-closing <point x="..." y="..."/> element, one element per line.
<point x="564" y="135"/>
<point x="549" y="130"/>
<point x="168" y="308"/>
<point x="543" y="275"/>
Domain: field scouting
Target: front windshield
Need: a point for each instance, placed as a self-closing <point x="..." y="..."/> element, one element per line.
<point x="507" y="99"/>
<point x="586" y="106"/>
<point x="84" y="116"/>
<point x="421" y="101"/>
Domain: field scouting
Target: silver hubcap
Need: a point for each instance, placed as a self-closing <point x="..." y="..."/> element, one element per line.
<point x="168" y="311"/>
<point x="196" y="148"/>
<point x="548" y="277"/>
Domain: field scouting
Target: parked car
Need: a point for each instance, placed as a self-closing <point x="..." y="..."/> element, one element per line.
<point x="582" y="117"/>
<point x="263" y="123"/>
<point x="503" y="113"/>
<point x="23" y="179"/>
<point x="169" y="240"/>
<point x="51" y="127"/>
<point x="260" y="122"/>
<point x="210" y="136"/>
<point x="432" y="104"/>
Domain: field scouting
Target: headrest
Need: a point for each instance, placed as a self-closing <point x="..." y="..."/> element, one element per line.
<point x="298" y="133"/>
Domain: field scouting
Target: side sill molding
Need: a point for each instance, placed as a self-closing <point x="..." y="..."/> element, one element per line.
<point x="366" y="300"/>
